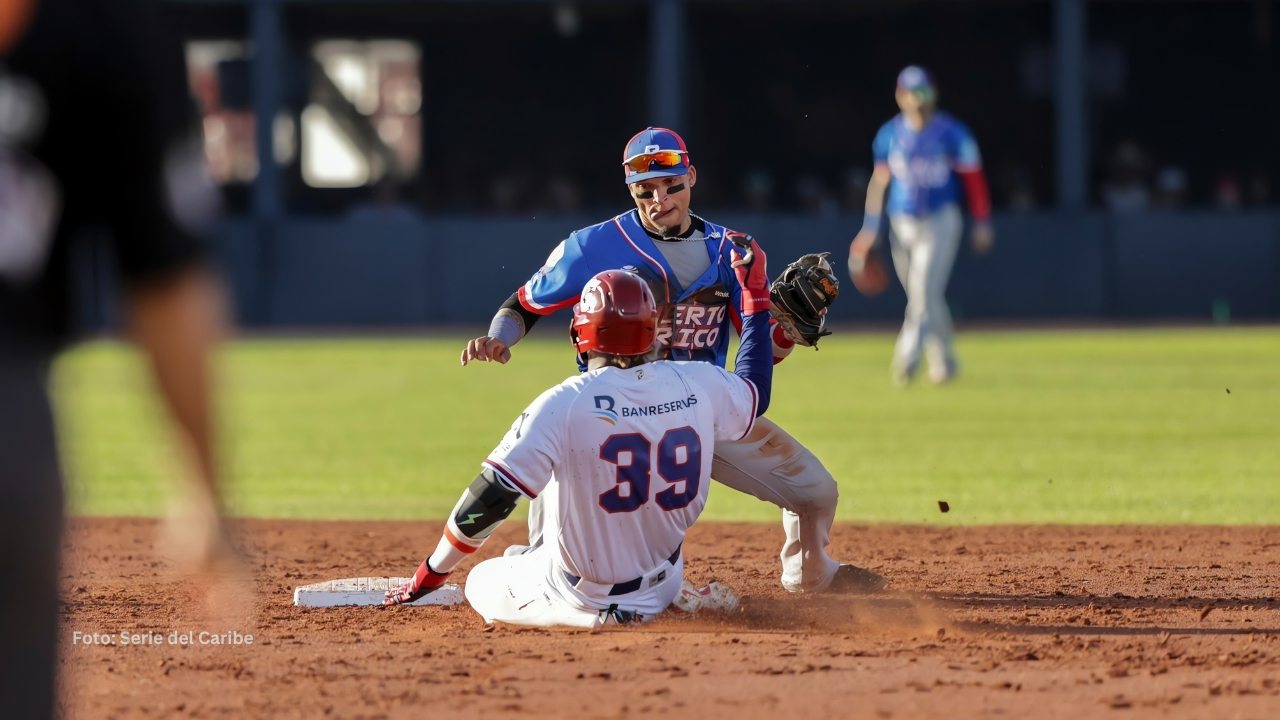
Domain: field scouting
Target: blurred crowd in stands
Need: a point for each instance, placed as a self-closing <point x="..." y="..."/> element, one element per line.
<point x="1135" y="180"/>
<point x="478" y="134"/>
<point x="1131" y="179"/>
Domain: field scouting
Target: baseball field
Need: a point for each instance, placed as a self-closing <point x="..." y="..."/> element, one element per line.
<point x="1110" y="544"/>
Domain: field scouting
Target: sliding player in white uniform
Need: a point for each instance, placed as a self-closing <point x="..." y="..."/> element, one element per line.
<point x="621" y="455"/>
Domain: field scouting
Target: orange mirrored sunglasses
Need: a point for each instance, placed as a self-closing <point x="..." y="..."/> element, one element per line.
<point x="647" y="161"/>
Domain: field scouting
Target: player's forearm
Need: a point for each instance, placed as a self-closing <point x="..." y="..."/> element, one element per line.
<point x="874" y="207"/>
<point x="754" y="361"/>
<point x="512" y="321"/>
<point x="481" y="509"/>
<point x="178" y="324"/>
<point x="977" y="194"/>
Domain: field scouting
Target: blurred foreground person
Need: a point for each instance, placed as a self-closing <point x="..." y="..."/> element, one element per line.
<point x="932" y="160"/>
<point x="96" y="145"/>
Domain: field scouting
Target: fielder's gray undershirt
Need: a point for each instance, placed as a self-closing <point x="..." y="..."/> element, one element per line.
<point x="687" y="256"/>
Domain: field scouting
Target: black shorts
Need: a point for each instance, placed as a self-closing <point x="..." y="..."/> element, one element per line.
<point x="30" y="533"/>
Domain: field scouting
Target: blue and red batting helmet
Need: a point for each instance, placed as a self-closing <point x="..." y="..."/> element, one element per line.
<point x="616" y="315"/>
<point x="652" y="153"/>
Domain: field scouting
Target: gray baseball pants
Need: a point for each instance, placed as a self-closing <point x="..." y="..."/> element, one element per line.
<point x="924" y="250"/>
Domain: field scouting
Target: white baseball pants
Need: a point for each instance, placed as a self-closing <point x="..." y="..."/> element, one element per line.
<point x="924" y="250"/>
<point x="771" y="465"/>
<point x="532" y="589"/>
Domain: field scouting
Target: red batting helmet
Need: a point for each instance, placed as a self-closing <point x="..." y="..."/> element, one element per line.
<point x="616" y="315"/>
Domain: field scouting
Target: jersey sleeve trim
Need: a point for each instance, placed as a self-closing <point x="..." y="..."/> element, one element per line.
<point x="510" y="477"/>
<point x="528" y="303"/>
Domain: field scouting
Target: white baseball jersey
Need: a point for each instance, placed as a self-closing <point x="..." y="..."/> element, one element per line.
<point x="631" y="453"/>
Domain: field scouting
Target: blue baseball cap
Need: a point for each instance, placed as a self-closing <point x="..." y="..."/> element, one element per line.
<point x="670" y="157"/>
<point x="914" y="77"/>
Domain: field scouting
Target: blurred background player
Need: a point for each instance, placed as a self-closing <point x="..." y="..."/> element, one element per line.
<point x="93" y="135"/>
<point x="686" y="261"/>
<point x="923" y="156"/>
<point x="628" y="484"/>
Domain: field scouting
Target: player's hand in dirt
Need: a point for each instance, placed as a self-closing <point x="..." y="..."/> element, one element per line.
<point x="487" y="349"/>
<point x="405" y="593"/>
<point x="984" y="238"/>
<point x="424" y="581"/>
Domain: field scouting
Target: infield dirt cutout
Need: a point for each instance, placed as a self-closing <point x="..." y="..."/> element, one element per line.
<point x="1006" y="621"/>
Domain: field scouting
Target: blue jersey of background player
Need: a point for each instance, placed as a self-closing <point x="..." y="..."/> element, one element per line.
<point x="926" y="164"/>
<point x="684" y="258"/>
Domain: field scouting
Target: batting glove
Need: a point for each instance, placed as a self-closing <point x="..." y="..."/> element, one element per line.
<point x="750" y="268"/>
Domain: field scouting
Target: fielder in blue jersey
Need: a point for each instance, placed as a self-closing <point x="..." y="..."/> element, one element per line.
<point x="687" y="263"/>
<point x="930" y="162"/>
<point x="690" y="277"/>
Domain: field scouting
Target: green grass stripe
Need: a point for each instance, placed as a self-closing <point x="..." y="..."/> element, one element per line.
<point x="1112" y="426"/>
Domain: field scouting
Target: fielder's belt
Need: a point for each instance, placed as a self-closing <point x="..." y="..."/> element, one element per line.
<point x="630" y="586"/>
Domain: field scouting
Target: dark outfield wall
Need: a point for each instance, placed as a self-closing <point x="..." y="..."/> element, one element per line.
<point x="407" y="272"/>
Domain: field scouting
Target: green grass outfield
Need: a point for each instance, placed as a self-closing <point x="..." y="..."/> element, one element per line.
<point x="1111" y="426"/>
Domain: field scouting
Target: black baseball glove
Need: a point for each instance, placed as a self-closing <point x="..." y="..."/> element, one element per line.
<point x="801" y="296"/>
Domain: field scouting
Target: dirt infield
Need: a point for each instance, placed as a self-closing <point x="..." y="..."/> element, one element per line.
<point x="982" y="622"/>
